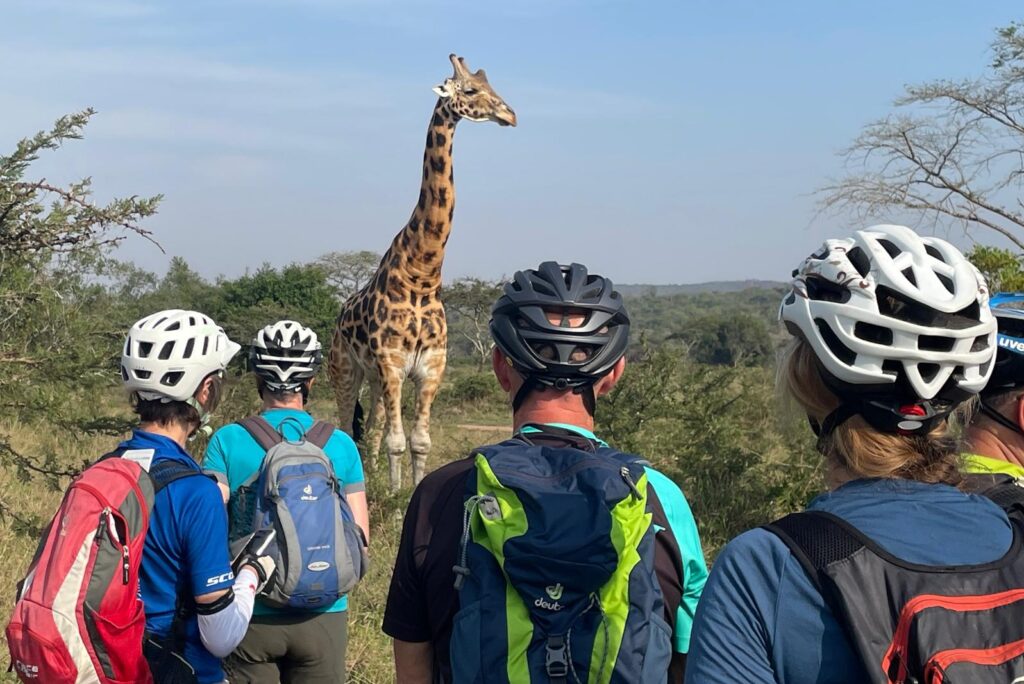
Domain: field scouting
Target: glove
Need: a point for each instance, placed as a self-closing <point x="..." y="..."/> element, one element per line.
<point x="257" y="556"/>
<point x="264" y="567"/>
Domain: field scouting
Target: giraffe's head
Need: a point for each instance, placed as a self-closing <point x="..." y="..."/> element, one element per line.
<point x="471" y="97"/>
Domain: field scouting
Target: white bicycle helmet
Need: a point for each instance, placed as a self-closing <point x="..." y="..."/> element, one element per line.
<point x="168" y="354"/>
<point x="899" y="323"/>
<point x="285" y="355"/>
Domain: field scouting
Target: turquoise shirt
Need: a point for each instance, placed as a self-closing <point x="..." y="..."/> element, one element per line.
<point x="233" y="457"/>
<point x="684" y="528"/>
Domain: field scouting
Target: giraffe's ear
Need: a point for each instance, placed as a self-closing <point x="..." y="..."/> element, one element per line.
<point x="445" y="89"/>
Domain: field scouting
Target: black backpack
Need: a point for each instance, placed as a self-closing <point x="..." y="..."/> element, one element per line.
<point x="916" y="624"/>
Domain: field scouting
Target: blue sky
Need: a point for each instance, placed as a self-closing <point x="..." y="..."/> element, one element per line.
<point x="657" y="141"/>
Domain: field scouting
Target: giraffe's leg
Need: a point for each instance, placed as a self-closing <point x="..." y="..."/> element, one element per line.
<point x="346" y="376"/>
<point x="373" y="430"/>
<point x="391" y="394"/>
<point x="428" y="381"/>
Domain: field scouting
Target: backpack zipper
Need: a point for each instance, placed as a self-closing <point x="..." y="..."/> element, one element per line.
<point x="624" y="472"/>
<point x="898" y="648"/>
<point x="934" y="672"/>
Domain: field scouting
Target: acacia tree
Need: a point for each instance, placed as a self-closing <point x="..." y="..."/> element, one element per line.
<point x="953" y="151"/>
<point x="348" y="272"/>
<point x="467" y="302"/>
<point x="53" y="344"/>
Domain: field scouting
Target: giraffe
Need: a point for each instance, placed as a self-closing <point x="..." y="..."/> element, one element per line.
<point x="395" y="326"/>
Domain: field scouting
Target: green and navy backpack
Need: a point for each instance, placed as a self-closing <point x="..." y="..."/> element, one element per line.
<point x="556" y="572"/>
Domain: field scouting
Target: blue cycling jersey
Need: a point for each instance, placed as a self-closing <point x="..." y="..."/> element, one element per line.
<point x="186" y="551"/>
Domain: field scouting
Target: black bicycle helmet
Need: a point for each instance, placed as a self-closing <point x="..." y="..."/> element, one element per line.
<point x="559" y="354"/>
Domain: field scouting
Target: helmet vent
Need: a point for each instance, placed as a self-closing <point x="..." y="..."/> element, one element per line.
<point x="176" y="325"/>
<point x="908" y="273"/>
<point x="947" y="282"/>
<point x="873" y="333"/>
<point x="824" y="290"/>
<point x="166" y="350"/>
<point x="206" y="345"/>
<point x="143" y="374"/>
<point x="128" y="346"/>
<point x="860" y="261"/>
<point x="835" y="345"/>
<point x="935" y="343"/>
<point x="145" y="349"/>
<point x="928" y="371"/>
<point x="980" y="343"/>
<point x="891" y="248"/>
<point x="895" y="305"/>
<point x="189" y="346"/>
<point x="891" y="367"/>
<point x="171" y="379"/>
<point x="934" y="253"/>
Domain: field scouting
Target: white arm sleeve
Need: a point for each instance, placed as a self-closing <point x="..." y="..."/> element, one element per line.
<point x="224" y="629"/>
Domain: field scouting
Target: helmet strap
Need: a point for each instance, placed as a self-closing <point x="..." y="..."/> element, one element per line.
<point x="998" y="417"/>
<point x="824" y="430"/>
<point x="531" y="383"/>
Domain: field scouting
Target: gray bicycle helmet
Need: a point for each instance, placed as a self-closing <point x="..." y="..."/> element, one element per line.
<point x="559" y="354"/>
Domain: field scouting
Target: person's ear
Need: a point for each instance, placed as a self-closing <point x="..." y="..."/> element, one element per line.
<point x="203" y="395"/>
<point x="606" y="383"/>
<point x="309" y="384"/>
<point x="502" y="368"/>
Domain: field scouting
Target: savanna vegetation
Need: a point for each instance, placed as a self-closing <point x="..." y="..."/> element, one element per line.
<point x="697" y="399"/>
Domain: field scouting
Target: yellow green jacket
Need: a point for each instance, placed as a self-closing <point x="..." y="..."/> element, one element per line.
<point x="986" y="465"/>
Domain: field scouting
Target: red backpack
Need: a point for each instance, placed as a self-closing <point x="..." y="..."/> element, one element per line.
<point x="78" y="615"/>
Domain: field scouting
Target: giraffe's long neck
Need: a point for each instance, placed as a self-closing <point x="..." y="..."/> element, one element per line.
<point x="420" y="245"/>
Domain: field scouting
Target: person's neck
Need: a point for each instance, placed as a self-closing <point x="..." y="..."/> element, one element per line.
<point x="175" y="432"/>
<point x="988" y="438"/>
<point x="545" y="411"/>
<point x="295" y="403"/>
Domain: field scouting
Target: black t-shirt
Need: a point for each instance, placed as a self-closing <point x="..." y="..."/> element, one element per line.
<point x="422" y="601"/>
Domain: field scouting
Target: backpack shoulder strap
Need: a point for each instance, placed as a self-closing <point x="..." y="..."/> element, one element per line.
<point x="659" y="517"/>
<point x="1007" y="495"/>
<point x="817" y="539"/>
<point x="320" y="433"/>
<point x="262" y="431"/>
<point x="165" y="472"/>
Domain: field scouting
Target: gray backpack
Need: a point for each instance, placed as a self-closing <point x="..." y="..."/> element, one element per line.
<point x="319" y="549"/>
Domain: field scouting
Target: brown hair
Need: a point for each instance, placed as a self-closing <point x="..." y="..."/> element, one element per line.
<point x="855" y="446"/>
<point x="165" y="413"/>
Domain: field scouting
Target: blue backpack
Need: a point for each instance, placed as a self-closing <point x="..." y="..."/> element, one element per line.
<point x="556" y="574"/>
<point x="319" y="549"/>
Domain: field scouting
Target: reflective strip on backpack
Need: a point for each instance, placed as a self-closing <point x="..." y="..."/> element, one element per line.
<point x="632" y="525"/>
<point x="64" y="610"/>
<point x="492" y="535"/>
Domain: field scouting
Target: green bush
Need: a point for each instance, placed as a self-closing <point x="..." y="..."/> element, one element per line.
<point x="715" y="430"/>
<point x="471" y="389"/>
